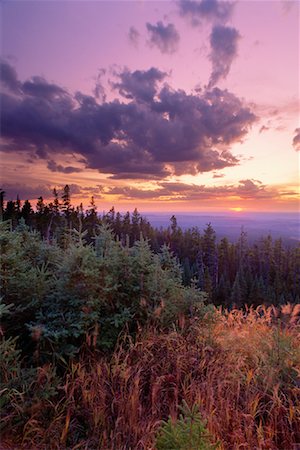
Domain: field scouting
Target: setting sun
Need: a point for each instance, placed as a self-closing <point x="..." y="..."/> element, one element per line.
<point x="237" y="209"/>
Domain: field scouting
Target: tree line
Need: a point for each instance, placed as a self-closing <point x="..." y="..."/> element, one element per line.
<point x="232" y="274"/>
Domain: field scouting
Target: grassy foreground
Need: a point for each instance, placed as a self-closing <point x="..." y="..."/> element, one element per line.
<point x="241" y="369"/>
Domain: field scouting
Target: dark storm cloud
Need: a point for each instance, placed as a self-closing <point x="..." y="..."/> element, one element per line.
<point x="296" y="140"/>
<point x="63" y="169"/>
<point x="223" y="43"/>
<point x="133" y="36"/>
<point x="156" y="132"/>
<point x="164" y="37"/>
<point x="209" y="10"/>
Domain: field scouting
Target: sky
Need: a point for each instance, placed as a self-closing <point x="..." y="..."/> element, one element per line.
<point x="161" y="105"/>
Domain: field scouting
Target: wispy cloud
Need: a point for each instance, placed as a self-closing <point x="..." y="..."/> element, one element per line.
<point x="244" y="190"/>
<point x="206" y="10"/>
<point x="33" y="192"/>
<point x="134" y="36"/>
<point x="24" y="191"/>
<point x="165" y="37"/>
<point x="223" y="43"/>
<point x="296" y="140"/>
<point x="54" y="167"/>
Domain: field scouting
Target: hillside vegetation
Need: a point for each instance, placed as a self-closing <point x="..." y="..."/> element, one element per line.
<point x="105" y="344"/>
<point x="264" y="272"/>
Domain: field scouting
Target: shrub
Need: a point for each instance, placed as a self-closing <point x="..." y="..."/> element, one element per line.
<point x="187" y="433"/>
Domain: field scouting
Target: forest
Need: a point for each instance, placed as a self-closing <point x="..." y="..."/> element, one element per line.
<point x="118" y="335"/>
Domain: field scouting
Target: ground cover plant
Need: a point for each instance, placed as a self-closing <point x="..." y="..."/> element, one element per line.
<point x="104" y="347"/>
<point x="241" y="371"/>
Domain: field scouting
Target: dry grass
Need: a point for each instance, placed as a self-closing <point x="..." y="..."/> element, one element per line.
<point x="241" y="368"/>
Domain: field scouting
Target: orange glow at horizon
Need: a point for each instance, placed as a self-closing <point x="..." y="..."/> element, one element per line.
<point x="237" y="209"/>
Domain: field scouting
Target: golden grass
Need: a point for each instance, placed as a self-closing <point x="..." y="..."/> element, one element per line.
<point x="241" y="368"/>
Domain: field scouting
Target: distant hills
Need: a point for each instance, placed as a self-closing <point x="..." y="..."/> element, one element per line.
<point x="255" y="224"/>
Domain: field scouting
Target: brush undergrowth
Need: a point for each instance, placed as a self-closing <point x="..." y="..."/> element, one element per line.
<point x="240" y="370"/>
<point x="187" y="433"/>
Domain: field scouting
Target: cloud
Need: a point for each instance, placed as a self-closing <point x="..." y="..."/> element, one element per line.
<point x="263" y="128"/>
<point x="277" y="117"/>
<point x="223" y="39"/>
<point x="253" y="189"/>
<point x="54" y="167"/>
<point x="129" y="193"/>
<point x="289" y="108"/>
<point x="9" y="77"/>
<point x="246" y="189"/>
<point x="36" y="86"/>
<point x="28" y="192"/>
<point x="296" y="140"/>
<point x="209" y="10"/>
<point x="288" y="5"/>
<point x="164" y="37"/>
<point x="139" y="85"/>
<point x="39" y="87"/>
<point x="99" y="90"/>
<point x="223" y="43"/>
<point x="23" y="191"/>
<point x="162" y="191"/>
<point x="218" y="175"/>
<point x="133" y="36"/>
<point x="155" y="132"/>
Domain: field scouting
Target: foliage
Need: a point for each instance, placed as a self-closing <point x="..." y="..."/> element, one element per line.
<point x="264" y="272"/>
<point x="101" y="341"/>
<point x="86" y="293"/>
<point x="230" y="371"/>
<point x="24" y="390"/>
<point x="186" y="433"/>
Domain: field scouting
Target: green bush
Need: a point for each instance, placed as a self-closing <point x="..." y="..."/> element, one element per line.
<point x="186" y="433"/>
<point x="61" y="298"/>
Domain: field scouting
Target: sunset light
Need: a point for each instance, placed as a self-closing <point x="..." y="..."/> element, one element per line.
<point x="237" y="209"/>
<point x="186" y="106"/>
<point x="149" y="224"/>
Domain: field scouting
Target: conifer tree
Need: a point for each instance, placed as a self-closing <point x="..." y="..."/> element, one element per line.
<point x="91" y="219"/>
<point x="10" y="213"/>
<point x="2" y="194"/>
<point x="126" y="225"/>
<point x="210" y="254"/>
<point x="27" y="213"/>
<point x="135" y="225"/>
<point x="118" y="225"/>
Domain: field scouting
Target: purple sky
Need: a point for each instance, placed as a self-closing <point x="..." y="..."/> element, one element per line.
<point x="201" y="105"/>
